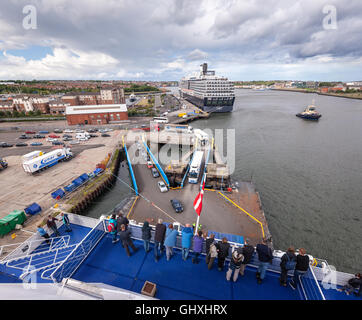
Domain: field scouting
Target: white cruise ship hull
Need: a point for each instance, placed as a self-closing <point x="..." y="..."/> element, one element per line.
<point x="217" y="105"/>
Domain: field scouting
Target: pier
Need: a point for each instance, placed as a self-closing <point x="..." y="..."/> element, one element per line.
<point x="226" y="208"/>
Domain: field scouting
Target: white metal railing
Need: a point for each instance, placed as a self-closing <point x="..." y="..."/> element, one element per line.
<point x="80" y="252"/>
<point x="27" y="248"/>
<point x="39" y="261"/>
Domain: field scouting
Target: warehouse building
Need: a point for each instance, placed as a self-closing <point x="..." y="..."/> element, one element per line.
<point x="96" y="114"/>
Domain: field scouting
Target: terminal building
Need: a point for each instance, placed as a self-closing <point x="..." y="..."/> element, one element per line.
<point x="96" y="114"/>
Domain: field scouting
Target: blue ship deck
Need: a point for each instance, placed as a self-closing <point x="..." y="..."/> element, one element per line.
<point x="175" y="279"/>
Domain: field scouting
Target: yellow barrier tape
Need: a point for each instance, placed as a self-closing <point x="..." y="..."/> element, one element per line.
<point x="261" y="225"/>
<point x="130" y="210"/>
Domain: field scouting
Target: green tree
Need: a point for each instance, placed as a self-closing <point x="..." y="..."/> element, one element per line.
<point x="16" y="114"/>
<point x="2" y="114"/>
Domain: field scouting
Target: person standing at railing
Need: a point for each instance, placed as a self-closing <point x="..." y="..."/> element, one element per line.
<point x="247" y="251"/>
<point x="234" y="266"/>
<point x="121" y="220"/>
<point x="44" y="234"/>
<point x="66" y="222"/>
<point x="287" y="263"/>
<point x="112" y="228"/>
<point x="197" y="246"/>
<point x="265" y="256"/>
<point x="146" y="235"/>
<point x="222" y="252"/>
<point x="170" y="240"/>
<point x="52" y="225"/>
<point x="187" y="234"/>
<point x="125" y="238"/>
<point x="301" y="267"/>
<point x="208" y="242"/>
<point x="159" y="238"/>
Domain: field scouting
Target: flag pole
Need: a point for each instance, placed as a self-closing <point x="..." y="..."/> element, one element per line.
<point x="198" y="216"/>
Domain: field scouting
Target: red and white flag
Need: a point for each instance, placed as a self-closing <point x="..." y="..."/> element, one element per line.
<point x="198" y="200"/>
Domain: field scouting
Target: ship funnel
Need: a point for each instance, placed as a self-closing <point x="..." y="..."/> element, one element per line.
<point x="203" y="68"/>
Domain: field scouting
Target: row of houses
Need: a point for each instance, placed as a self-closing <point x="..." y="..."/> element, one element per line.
<point x="57" y="104"/>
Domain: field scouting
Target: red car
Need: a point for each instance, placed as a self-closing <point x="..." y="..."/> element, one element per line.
<point x="53" y="136"/>
<point x="30" y="132"/>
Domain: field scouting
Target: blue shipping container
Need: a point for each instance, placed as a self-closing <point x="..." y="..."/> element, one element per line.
<point x="33" y="209"/>
<point x="84" y="177"/>
<point x="58" y="193"/>
<point x="70" y="187"/>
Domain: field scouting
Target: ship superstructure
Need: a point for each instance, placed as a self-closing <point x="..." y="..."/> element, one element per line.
<point x="207" y="91"/>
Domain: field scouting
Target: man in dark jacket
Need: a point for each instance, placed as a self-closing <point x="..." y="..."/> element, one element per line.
<point x="287" y="263"/>
<point x="125" y="239"/>
<point x="52" y="225"/>
<point x="247" y="251"/>
<point x="160" y="232"/>
<point x="223" y="252"/>
<point x="301" y="267"/>
<point x="122" y="220"/>
<point x="265" y="256"/>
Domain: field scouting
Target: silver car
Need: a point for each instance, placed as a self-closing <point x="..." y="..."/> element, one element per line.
<point x="162" y="186"/>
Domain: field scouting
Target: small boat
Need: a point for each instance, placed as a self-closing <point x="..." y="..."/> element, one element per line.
<point x="309" y="113"/>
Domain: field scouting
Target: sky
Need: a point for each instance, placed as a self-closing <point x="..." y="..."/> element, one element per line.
<point x="157" y="40"/>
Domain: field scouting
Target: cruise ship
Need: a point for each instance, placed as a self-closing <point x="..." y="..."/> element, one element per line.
<point x="207" y="91"/>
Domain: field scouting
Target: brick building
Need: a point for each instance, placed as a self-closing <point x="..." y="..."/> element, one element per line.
<point x="96" y="114"/>
<point x="105" y="96"/>
<point x="6" y="105"/>
<point x="58" y="106"/>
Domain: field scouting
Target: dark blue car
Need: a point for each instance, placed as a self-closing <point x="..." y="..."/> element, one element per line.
<point x="176" y="204"/>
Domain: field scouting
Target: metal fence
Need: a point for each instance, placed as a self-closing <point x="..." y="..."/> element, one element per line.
<point x="78" y="255"/>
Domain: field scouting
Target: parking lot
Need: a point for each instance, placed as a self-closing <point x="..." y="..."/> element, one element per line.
<point x="20" y="189"/>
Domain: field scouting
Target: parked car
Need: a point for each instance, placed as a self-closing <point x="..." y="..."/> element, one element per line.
<point x="58" y="131"/>
<point x="149" y="164"/>
<point x="6" y="145"/>
<point x="68" y="131"/>
<point x="92" y="135"/>
<point x="21" y="144"/>
<point x="105" y="135"/>
<point x="176" y="204"/>
<point x="67" y="139"/>
<point x="162" y="186"/>
<point x="30" y="132"/>
<point x="36" y="144"/>
<point x="38" y="136"/>
<point x="43" y="132"/>
<point x="57" y="143"/>
<point x="74" y="142"/>
<point x="155" y="173"/>
<point x="51" y="139"/>
<point x="24" y="136"/>
<point x="53" y="136"/>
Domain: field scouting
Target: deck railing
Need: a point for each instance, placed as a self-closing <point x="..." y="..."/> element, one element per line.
<point x="67" y="268"/>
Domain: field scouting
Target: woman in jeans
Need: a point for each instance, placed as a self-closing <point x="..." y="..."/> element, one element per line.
<point x="146" y="235"/>
<point x="170" y="240"/>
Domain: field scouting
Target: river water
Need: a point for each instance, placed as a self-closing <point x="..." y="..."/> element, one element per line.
<point x="309" y="174"/>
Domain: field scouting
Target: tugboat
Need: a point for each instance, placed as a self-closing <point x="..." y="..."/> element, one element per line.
<point x="309" y="113"/>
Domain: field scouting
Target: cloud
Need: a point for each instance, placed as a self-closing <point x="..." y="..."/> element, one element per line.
<point x="165" y="39"/>
<point x="197" y="55"/>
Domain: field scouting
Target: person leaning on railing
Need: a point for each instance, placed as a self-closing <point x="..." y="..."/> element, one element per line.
<point x="301" y="268"/>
